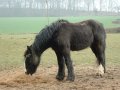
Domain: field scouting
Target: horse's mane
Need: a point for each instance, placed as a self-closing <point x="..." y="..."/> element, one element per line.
<point x="46" y="34"/>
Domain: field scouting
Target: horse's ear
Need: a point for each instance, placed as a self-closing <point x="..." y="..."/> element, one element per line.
<point x="28" y="47"/>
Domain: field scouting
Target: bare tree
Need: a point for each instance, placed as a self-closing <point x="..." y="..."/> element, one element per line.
<point x="88" y="4"/>
<point x="93" y="3"/>
<point x="117" y="5"/>
<point x="10" y="3"/>
<point x="101" y="2"/>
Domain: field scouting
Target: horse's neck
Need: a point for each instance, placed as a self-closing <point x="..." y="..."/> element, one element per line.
<point x="41" y="44"/>
<point x="40" y="50"/>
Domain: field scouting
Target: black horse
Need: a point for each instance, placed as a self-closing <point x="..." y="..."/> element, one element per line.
<point x="63" y="36"/>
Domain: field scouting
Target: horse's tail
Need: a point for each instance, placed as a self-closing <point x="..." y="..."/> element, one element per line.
<point x="99" y="42"/>
<point x="98" y="32"/>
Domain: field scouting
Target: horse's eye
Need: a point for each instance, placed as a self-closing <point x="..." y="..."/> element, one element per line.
<point x="29" y="55"/>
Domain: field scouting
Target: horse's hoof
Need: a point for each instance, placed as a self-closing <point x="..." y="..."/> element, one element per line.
<point x="100" y="74"/>
<point x="60" y="78"/>
<point x="70" y="78"/>
<point x="101" y="71"/>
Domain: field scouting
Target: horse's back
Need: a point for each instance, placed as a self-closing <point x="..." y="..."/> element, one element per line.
<point x="75" y="36"/>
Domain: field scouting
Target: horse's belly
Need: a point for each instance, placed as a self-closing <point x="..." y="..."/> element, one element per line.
<point x="79" y="47"/>
<point x="80" y="44"/>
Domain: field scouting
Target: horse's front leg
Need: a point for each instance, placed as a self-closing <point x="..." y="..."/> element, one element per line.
<point x="61" y="65"/>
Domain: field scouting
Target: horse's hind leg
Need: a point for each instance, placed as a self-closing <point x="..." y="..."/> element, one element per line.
<point x="68" y="61"/>
<point x="61" y="64"/>
<point x="99" y="51"/>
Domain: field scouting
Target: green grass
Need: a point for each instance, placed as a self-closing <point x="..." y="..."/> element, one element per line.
<point x="12" y="48"/>
<point x="12" y="25"/>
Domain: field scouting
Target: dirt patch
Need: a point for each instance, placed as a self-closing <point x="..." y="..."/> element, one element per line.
<point x="44" y="79"/>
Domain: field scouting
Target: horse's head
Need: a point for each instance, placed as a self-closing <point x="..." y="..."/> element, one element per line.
<point x="31" y="61"/>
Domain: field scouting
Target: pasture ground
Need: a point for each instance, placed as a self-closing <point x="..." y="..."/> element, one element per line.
<point x="12" y="75"/>
<point x="44" y="79"/>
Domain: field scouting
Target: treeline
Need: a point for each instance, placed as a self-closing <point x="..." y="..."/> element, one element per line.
<point x="58" y="7"/>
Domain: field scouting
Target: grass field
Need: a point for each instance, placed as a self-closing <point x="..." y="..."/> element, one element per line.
<point x="13" y="46"/>
<point x="12" y="25"/>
